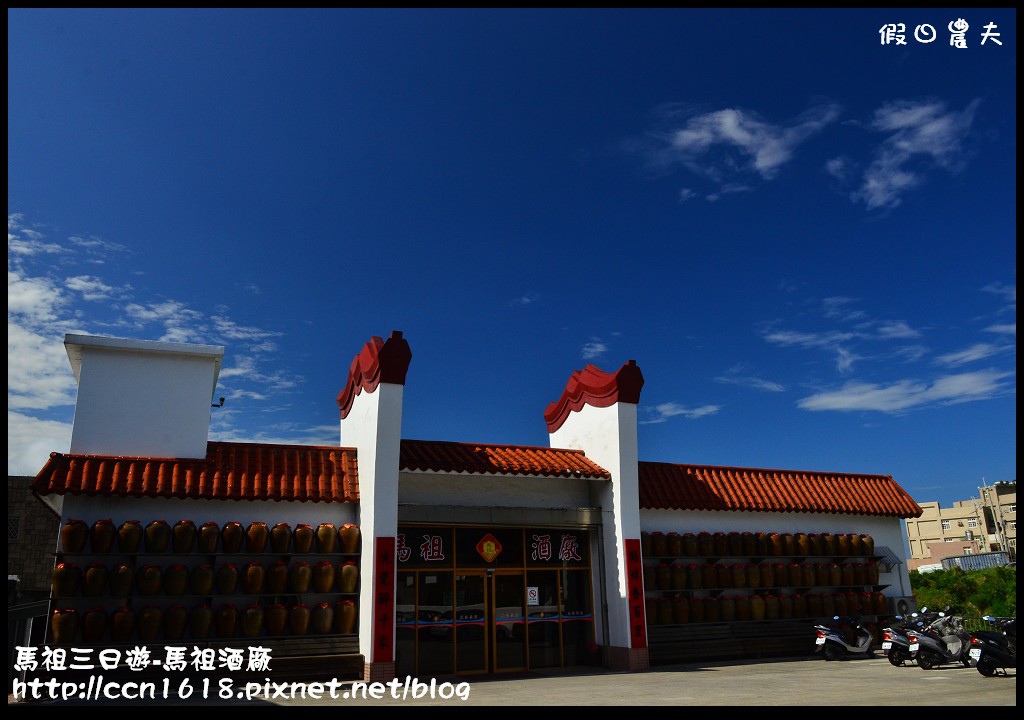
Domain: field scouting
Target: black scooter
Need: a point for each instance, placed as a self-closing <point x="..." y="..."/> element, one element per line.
<point x="895" y="639"/>
<point x="994" y="650"/>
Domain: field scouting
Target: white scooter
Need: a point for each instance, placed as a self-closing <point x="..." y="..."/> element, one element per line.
<point x="831" y="642"/>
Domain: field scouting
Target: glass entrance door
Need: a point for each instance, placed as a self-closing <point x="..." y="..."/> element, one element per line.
<point x="509" y="622"/>
<point x="471" y="620"/>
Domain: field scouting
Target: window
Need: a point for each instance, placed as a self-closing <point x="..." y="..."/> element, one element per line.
<point x="13" y="529"/>
<point x="972" y="522"/>
<point x="1012" y="525"/>
<point x="948" y="539"/>
<point x="945" y="524"/>
<point x="1011" y="508"/>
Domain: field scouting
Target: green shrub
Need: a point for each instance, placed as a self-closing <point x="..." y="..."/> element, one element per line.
<point x="973" y="593"/>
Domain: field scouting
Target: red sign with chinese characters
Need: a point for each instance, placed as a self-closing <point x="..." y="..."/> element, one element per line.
<point x="488" y="547"/>
<point x="635" y="591"/>
<point x="384" y="601"/>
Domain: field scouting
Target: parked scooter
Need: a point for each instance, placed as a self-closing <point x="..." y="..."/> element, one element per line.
<point x="994" y="650"/>
<point x="832" y="643"/>
<point x="941" y="642"/>
<point x="895" y="641"/>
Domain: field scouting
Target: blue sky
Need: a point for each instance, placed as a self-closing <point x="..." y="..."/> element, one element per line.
<point x="805" y="237"/>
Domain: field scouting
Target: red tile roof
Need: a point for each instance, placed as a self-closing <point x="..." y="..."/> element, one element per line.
<point x="454" y="457"/>
<point x="669" y="486"/>
<point x="230" y="471"/>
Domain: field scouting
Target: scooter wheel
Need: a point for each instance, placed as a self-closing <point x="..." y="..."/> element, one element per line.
<point x="831" y="652"/>
<point x="925" y="662"/>
<point x="986" y="668"/>
<point x="896" y="658"/>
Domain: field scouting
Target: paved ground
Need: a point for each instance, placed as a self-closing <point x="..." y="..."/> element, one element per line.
<point x="869" y="682"/>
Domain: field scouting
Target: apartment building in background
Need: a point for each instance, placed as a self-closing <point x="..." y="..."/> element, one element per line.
<point x="984" y="524"/>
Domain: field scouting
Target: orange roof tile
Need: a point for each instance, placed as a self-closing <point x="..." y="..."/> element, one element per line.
<point x="454" y="457"/>
<point x="230" y="471"/>
<point x="669" y="486"/>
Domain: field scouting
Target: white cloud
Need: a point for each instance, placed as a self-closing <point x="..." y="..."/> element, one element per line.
<point x="731" y="145"/>
<point x="906" y="394"/>
<point x="737" y="376"/>
<point x="30" y="441"/>
<point x="664" y="411"/>
<point x="593" y="349"/>
<point x="1003" y="328"/>
<point x="978" y="351"/>
<point x="924" y="132"/>
<point x="766" y="147"/>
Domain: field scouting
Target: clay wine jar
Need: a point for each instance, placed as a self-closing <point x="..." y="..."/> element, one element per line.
<point x="299" y="577"/>
<point x="321" y="618"/>
<point x="157" y="536"/>
<point x="277" y="577"/>
<point x="323" y="576"/>
<point x="148" y="579"/>
<point x="281" y="538"/>
<point x="252" y="620"/>
<point x="122" y="624"/>
<point x="298" y="619"/>
<point x="175" y="621"/>
<point x="74" y="535"/>
<point x="148" y="622"/>
<point x="67" y="576"/>
<point x="207" y="537"/>
<point x="176" y="579"/>
<point x="326" y="537"/>
<point x="227" y="579"/>
<point x="225" y="620"/>
<point x="201" y="579"/>
<point x="256" y="536"/>
<point x="199" y="621"/>
<point x="253" y="578"/>
<point x="231" y="537"/>
<point x="183" y="536"/>
<point x="129" y="536"/>
<point x="302" y="538"/>
<point x="94" y="625"/>
<point x="348" y="538"/>
<point x="101" y="536"/>
<point x="275" y="619"/>
<point x="345" y="616"/>
<point x="122" y="579"/>
<point x="94" y="580"/>
<point x="64" y="626"/>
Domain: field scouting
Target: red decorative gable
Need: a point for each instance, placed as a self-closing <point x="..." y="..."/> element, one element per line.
<point x="668" y="486"/>
<point x="478" y="459"/>
<point x="377" y="362"/>
<point x="230" y="471"/>
<point x="592" y="386"/>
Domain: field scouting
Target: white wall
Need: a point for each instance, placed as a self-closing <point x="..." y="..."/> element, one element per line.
<point x="140" y="398"/>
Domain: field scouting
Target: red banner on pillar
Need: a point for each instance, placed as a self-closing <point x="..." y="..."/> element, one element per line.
<point x="635" y="591"/>
<point x="384" y="601"/>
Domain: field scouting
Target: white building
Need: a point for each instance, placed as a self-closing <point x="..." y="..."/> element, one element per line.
<point x="474" y="558"/>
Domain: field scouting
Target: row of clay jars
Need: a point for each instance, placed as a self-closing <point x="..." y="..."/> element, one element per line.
<point x="158" y="536"/>
<point x="177" y="579"/>
<point x="146" y="625"/>
<point x="721" y="544"/>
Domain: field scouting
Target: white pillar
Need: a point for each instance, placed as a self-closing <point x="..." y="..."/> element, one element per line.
<point x="371" y="422"/>
<point x="598" y="415"/>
